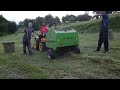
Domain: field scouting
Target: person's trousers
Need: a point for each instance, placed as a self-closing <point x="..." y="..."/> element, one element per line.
<point x="103" y="38"/>
<point x="27" y="44"/>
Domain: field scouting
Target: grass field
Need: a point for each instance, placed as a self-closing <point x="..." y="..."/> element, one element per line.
<point x="87" y="65"/>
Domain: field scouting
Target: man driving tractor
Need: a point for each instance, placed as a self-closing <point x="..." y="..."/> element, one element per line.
<point x="43" y="31"/>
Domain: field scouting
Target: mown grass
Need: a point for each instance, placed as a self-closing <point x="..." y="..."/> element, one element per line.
<point x="87" y="65"/>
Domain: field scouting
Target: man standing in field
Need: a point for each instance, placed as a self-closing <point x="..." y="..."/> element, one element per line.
<point x="27" y="39"/>
<point x="103" y="35"/>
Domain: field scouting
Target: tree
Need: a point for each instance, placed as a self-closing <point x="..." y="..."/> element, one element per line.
<point x="21" y="23"/>
<point x="67" y="18"/>
<point x="38" y="22"/>
<point x="2" y="19"/>
<point x="12" y="27"/>
<point x="72" y="18"/>
<point x="63" y="19"/>
<point x="57" y="20"/>
<point x="7" y="26"/>
<point x="3" y="27"/>
<point x="49" y="18"/>
<point x="3" y="24"/>
<point x="84" y="17"/>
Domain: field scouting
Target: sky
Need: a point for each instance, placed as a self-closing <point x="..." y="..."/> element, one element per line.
<point x="18" y="16"/>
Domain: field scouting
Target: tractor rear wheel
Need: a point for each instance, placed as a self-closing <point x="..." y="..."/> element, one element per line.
<point x="51" y="54"/>
<point x="42" y="46"/>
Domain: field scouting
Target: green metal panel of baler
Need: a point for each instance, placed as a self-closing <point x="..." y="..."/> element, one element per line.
<point x="67" y="38"/>
<point x="61" y="38"/>
<point x="51" y="39"/>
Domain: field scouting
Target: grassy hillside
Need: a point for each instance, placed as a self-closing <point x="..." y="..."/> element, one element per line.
<point x="94" y="25"/>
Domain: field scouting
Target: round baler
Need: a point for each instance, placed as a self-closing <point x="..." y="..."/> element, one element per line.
<point x="58" y="41"/>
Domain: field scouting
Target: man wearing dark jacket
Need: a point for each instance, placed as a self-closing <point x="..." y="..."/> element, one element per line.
<point x="27" y="38"/>
<point x="103" y="35"/>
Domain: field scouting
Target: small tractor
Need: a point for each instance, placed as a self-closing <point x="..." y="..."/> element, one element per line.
<point x="58" y="41"/>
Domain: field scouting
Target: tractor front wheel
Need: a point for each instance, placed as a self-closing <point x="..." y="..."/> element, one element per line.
<point x="51" y="54"/>
<point x="36" y="45"/>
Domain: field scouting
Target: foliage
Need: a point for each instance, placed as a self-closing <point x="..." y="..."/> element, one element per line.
<point x="7" y="26"/>
<point x="72" y="18"/>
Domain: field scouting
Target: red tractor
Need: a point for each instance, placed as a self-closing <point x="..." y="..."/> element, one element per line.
<point x="40" y="42"/>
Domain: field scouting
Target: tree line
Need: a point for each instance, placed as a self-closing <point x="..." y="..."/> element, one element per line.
<point x="39" y="20"/>
<point x="73" y="18"/>
<point x="51" y="20"/>
<point x="7" y="26"/>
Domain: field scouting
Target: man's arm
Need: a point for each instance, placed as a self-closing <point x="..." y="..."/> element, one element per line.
<point x="98" y="14"/>
<point x="35" y="32"/>
<point x="24" y="30"/>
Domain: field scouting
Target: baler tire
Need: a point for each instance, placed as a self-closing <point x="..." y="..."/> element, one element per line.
<point x="51" y="54"/>
<point x="77" y="50"/>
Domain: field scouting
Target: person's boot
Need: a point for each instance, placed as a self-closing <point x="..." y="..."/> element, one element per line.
<point x="30" y="53"/>
<point x="106" y="52"/>
<point x="25" y="53"/>
<point x="97" y="51"/>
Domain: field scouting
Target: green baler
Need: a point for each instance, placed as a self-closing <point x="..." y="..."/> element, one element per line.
<point x="59" y="41"/>
<point x="61" y="38"/>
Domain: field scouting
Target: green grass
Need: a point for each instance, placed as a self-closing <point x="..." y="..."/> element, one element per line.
<point x="87" y="65"/>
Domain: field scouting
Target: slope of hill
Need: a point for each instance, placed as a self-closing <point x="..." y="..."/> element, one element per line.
<point x="94" y="25"/>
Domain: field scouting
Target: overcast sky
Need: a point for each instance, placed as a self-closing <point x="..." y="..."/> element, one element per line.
<point x="18" y="16"/>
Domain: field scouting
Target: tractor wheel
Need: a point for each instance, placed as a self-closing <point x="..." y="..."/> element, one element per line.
<point x="42" y="46"/>
<point x="36" y="45"/>
<point x="77" y="50"/>
<point x="51" y="54"/>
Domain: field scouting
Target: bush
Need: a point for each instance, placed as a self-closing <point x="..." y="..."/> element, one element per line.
<point x="115" y="23"/>
<point x="7" y="26"/>
<point x="2" y="34"/>
<point x="3" y="27"/>
<point x="84" y="17"/>
<point x="12" y="27"/>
